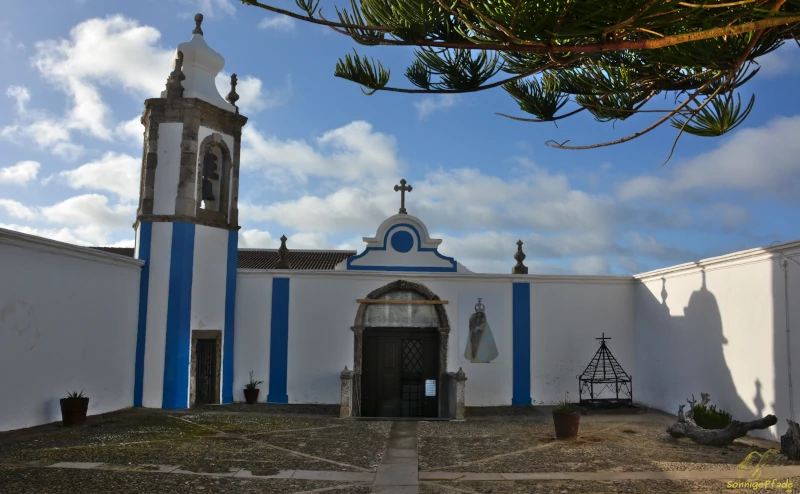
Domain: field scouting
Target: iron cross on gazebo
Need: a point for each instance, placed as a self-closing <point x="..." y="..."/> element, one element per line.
<point x="403" y="189"/>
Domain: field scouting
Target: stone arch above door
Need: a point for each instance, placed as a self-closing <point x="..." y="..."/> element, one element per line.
<point x="396" y="290"/>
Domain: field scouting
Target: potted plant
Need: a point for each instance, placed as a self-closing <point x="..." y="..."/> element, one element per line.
<point x="251" y="390"/>
<point x="566" y="419"/>
<point x="73" y="409"/>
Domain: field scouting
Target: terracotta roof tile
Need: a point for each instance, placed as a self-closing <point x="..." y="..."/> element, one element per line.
<point x="298" y="259"/>
<point x="267" y="258"/>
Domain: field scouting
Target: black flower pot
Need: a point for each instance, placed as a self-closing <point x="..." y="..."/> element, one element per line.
<point x="251" y="396"/>
<point x="566" y="424"/>
<point x="73" y="411"/>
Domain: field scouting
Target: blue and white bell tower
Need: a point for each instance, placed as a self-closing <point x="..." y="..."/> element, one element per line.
<point x="186" y="231"/>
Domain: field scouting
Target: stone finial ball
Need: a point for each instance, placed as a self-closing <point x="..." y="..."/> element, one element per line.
<point x="198" y="18"/>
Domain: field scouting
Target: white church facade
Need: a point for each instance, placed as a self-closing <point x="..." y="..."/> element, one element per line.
<point x="395" y="330"/>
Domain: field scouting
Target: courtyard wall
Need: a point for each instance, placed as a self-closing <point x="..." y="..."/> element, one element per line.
<point x="719" y="326"/>
<point x="567" y="314"/>
<point x="68" y="321"/>
<point x="564" y="315"/>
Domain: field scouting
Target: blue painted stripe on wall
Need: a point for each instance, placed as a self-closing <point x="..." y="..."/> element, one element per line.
<point x="230" y="316"/>
<point x="279" y="342"/>
<point x="145" y="241"/>
<point x="521" y="335"/>
<point x="178" y="342"/>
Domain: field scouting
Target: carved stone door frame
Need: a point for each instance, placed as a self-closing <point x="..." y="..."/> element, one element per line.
<point x="358" y="341"/>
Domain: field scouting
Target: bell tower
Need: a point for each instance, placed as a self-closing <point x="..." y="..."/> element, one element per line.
<point x="187" y="233"/>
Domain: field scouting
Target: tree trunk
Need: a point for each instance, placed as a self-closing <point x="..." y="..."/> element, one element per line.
<point x="790" y="442"/>
<point x="685" y="427"/>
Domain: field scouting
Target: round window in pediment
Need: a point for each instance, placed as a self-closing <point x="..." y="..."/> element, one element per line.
<point x="402" y="241"/>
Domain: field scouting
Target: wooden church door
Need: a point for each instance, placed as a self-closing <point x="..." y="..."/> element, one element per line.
<point x="400" y="372"/>
<point x="205" y="376"/>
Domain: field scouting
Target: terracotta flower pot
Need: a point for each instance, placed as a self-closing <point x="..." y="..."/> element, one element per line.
<point x="251" y="396"/>
<point x="73" y="411"/>
<point x="566" y="424"/>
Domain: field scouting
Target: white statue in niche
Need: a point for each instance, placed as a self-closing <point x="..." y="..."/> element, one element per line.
<point x="481" y="348"/>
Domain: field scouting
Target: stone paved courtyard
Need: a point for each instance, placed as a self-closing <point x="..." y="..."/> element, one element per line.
<point x="286" y="449"/>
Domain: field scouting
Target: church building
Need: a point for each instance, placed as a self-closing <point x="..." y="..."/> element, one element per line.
<point x="394" y="330"/>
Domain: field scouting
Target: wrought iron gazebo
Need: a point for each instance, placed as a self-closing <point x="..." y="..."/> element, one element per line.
<point x="604" y="382"/>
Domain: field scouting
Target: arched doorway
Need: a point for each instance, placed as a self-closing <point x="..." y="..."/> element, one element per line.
<point x="400" y="353"/>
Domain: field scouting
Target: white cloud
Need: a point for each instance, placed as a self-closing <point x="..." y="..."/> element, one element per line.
<point x="252" y="97"/>
<point x="81" y="220"/>
<point x="8" y="43"/>
<point x="639" y="187"/>
<point x="131" y="131"/>
<point x="256" y="239"/>
<point x="728" y="215"/>
<point x="90" y="211"/>
<point x="131" y="242"/>
<point x="117" y="173"/>
<point x="17" y="209"/>
<point x="458" y="199"/>
<point x="353" y="152"/>
<point x="430" y="104"/>
<point x="259" y="239"/>
<point x="45" y="131"/>
<point x="20" y="173"/>
<point x="209" y="7"/>
<point x="346" y="209"/>
<point x="130" y="60"/>
<point x="62" y="234"/>
<point x="590" y="265"/>
<point x="277" y="23"/>
<point x="760" y="160"/>
<point x="785" y="60"/>
<point x="21" y="95"/>
<point x="307" y="241"/>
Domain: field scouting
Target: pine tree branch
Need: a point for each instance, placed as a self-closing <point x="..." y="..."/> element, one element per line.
<point x="683" y="127"/>
<point x="555" y="144"/>
<point x="645" y="44"/>
<point x="322" y="22"/>
<point x="443" y="4"/>
<point x="631" y="19"/>
<point x="513" y="26"/>
<point x="717" y="5"/>
<point x="496" y="25"/>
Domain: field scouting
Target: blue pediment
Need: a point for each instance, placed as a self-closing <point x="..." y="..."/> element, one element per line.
<point x="402" y="243"/>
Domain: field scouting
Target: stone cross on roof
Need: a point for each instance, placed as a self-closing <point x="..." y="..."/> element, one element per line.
<point x="403" y="189"/>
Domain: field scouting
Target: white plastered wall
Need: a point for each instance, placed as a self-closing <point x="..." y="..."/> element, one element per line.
<point x="719" y="326"/>
<point x="209" y="282"/>
<point x="157" y="303"/>
<point x="209" y="278"/>
<point x="68" y="321"/>
<point x="322" y="309"/>
<point x="252" y="332"/>
<point x="567" y="314"/>
<point x="170" y="136"/>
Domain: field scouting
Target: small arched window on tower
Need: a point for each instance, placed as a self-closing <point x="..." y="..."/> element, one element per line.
<point x="213" y="170"/>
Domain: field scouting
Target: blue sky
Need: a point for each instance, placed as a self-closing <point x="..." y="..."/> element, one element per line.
<point x="319" y="159"/>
